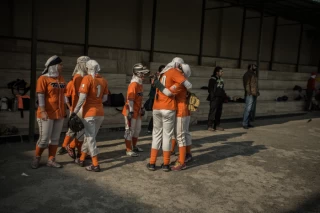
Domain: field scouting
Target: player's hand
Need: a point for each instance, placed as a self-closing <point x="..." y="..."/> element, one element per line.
<point x="72" y="114"/>
<point x="44" y="116"/>
<point x="130" y="116"/>
<point x="142" y="112"/>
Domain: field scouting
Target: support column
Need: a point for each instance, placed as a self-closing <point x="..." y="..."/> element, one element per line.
<point x="258" y="56"/>
<point x="33" y="80"/>
<point x="12" y="15"/>
<point x="86" y="33"/>
<point x="274" y="40"/>
<point x="242" y="36"/>
<point x="153" y="28"/>
<point x="299" y="48"/>
<point x="203" y="14"/>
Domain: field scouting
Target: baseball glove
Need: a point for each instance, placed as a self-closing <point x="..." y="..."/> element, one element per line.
<point x="75" y="123"/>
<point x="193" y="102"/>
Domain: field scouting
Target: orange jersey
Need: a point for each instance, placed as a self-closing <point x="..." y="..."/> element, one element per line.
<point x="135" y="94"/>
<point x="69" y="89"/>
<point x="54" y="90"/>
<point x="181" y="94"/>
<point x="77" y="79"/>
<point x="168" y="79"/>
<point x="95" y="88"/>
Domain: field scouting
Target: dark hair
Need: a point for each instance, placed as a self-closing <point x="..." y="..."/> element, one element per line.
<point x="161" y="67"/>
<point x="252" y="67"/>
<point x="217" y="69"/>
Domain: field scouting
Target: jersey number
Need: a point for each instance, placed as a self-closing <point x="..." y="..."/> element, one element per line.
<point x="98" y="91"/>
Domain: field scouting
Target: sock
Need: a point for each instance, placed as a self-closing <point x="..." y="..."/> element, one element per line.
<point x="52" y="151"/>
<point x="66" y="141"/>
<point x="182" y="154"/>
<point x="173" y="144"/>
<point x="153" y="156"/>
<point x="128" y="145"/>
<point x="95" y="160"/>
<point x="83" y="156"/>
<point x="134" y="141"/>
<point x="166" y="157"/>
<point x="73" y="144"/>
<point x="79" y="145"/>
<point x="188" y="149"/>
<point x="39" y="151"/>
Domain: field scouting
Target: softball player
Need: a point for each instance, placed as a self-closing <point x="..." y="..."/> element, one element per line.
<point x="133" y="110"/>
<point x="182" y="134"/>
<point x="79" y="72"/>
<point x="51" y="111"/>
<point x="164" y="112"/>
<point x="93" y="92"/>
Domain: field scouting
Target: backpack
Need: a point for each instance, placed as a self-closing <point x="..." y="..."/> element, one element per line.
<point x="19" y="87"/>
<point x="193" y="102"/>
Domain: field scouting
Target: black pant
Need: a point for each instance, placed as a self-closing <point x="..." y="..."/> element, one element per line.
<point x="150" y="126"/>
<point x="215" y="112"/>
<point x="309" y="100"/>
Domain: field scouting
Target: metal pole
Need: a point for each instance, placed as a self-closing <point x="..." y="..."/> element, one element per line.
<point x="274" y="38"/>
<point x="201" y="31"/>
<point x="153" y="29"/>
<point x="32" y="114"/>
<point x="258" y="57"/>
<point x="299" y="48"/>
<point x="86" y="33"/>
<point x="242" y="36"/>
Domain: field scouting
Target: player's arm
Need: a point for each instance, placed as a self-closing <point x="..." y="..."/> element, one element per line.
<point x="83" y="91"/>
<point x="41" y="91"/>
<point x="162" y="88"/>
<point x="105" y="93"/>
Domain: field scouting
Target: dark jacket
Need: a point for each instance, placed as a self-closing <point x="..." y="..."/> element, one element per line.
<point x="215" y="88"/>
<point x="250" y="83"/>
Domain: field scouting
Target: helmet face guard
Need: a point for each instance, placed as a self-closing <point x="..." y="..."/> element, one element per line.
<point x="140" y="70"/>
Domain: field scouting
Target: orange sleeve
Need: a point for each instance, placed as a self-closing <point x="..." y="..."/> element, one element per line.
<point x="178" y="77"/>
<point x="131" y="91"/>
<point x="85" y="85"/>
<point x="69" y="89"/>
<point x="106" y="91"/>
<point x="41" y="85"/>
<point x="176" y="88"/>
<point x="77" y="82"/>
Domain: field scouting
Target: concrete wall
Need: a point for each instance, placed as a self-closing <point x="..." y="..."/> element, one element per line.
<point x="127" y="24"/>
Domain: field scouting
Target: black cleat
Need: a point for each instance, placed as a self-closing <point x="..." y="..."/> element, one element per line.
<point x="93" y="168"/>
<point x="62" y="151"/>
<point x="166" y="168"/>
<point x="151" y="167"/>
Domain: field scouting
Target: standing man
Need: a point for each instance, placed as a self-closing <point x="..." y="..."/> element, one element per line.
<point x="311" y="88"/>
<point x="216" y="97"/>
<point x="250" y="84"/>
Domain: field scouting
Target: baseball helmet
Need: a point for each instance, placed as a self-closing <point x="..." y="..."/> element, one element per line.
<point x="140" y="70"/>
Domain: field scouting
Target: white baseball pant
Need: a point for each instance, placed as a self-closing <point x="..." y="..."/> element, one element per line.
<point x="182" y="133"/>
<point x="163" y="129"/>
<point x="49" y="132"/>
<point x="91" y="128"/>
<point x="135" y="128"/>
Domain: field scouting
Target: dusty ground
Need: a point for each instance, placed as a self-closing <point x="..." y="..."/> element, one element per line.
<point x="271" y="168"/>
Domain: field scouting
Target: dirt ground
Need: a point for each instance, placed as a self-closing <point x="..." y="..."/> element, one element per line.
<point x="273" y="167"/>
